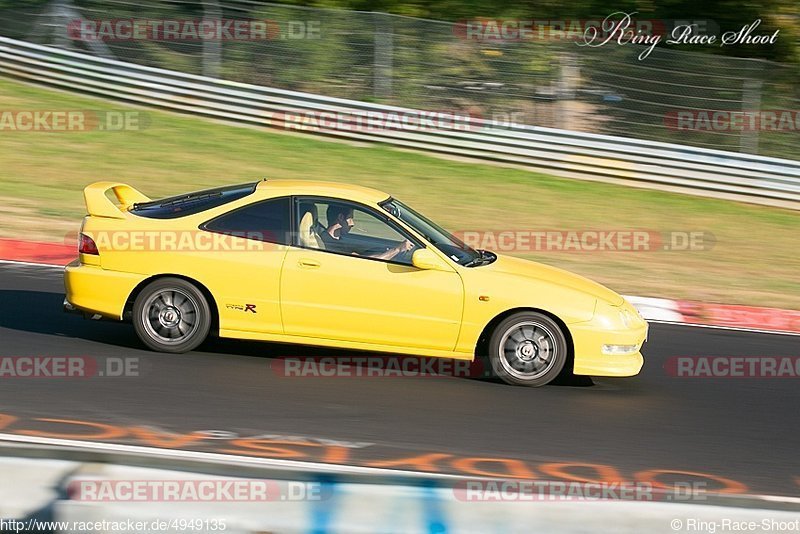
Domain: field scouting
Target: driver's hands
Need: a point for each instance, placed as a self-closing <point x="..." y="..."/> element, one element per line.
<point x="390" y="253"/>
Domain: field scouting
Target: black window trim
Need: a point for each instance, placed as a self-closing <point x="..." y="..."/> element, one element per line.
<point x="291" y="238"/>
<point x="297" y="199"/>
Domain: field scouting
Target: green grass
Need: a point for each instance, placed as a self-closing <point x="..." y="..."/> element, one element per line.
<point x="42" y="175"/>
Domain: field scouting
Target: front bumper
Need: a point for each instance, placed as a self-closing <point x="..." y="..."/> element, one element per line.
<point x="589" y="338"/>
<point x="628" y="365"/>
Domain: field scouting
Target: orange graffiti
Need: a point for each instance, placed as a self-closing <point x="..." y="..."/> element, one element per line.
<point x="6" y="420"/>
<point x="424" y="462"/>
<point x="267" y="448"/>
<point x="106" y="431"/>
<point x="168" y="440"/>
<point x="605" y="473"/>
<point x="514" y="468"/>
<point x="651" y="477"/>
<point x="336" y="454"/>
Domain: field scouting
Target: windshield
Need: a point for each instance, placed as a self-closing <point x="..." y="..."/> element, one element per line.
<point x="456" y="249"/>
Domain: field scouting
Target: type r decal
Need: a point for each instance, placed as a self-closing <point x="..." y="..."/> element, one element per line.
<point x="242" y="307"/>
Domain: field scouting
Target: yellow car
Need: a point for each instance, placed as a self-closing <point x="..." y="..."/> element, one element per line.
<point x="337" y="265"/>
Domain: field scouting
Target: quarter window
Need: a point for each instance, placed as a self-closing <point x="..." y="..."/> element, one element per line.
<point x="263" y="221"/>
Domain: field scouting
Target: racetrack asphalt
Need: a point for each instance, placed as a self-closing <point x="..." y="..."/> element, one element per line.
<point x="737" y="434"/>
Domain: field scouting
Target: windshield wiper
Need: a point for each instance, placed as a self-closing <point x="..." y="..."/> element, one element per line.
<point x="482" y="259"/>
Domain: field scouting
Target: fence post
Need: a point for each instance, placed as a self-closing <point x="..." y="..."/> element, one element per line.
<point x="212" y="48"/>
<point x="569" y="76"/>
<point x="382" y="60"/>
<point x="751" y="102"/>
<point x="55" y="24"/>
<point x="61" y="11"/>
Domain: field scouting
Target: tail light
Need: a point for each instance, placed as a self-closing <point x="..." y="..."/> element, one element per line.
<point x="86" y="245"/>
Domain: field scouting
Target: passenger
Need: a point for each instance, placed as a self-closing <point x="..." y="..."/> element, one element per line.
<point x="310" y="228"/>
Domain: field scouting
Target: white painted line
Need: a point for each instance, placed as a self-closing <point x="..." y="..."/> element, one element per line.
<point x="229" y="459"/>
<point x="32" y="264"/>
<point x="734" y="328"/>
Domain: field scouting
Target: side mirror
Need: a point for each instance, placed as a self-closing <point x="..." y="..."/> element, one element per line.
<point x="422" y="258"/>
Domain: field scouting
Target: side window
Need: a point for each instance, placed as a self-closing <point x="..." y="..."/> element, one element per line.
<point x="367" y="224"/>
<point x="263" y="221"/>
<point x="350" y="229"/>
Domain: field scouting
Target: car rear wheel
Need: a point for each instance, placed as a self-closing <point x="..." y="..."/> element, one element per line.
<point x="171" y="315"/>
<point x="527" y="349"/>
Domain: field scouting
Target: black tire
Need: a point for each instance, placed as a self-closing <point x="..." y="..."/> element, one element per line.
<point x="527" y="349"/>
<point x="171" y="315"/>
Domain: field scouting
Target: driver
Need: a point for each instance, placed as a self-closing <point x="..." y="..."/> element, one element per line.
<point x="340" y="222"/>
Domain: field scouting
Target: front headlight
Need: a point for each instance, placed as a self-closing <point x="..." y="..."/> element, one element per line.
<point x="627" y="317"/>
<point x="622" y="317"/>
<point x="610" y="317"/>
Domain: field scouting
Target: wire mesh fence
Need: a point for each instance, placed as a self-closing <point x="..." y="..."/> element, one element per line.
<point x="690" y="98"/>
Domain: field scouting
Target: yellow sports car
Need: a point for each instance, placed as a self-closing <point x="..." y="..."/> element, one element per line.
<point x="342" y="266"/>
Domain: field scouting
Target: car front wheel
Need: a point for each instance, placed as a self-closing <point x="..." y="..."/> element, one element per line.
<point x="527" y="349"/>
<point x="171" y="315"/>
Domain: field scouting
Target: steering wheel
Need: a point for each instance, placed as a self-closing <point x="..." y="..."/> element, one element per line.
<point x="373" y="251"/>
<point x="403" y="257"/>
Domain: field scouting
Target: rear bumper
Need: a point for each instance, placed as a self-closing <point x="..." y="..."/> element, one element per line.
<point x="92" y="290"/>
<point x="69" y="308"/>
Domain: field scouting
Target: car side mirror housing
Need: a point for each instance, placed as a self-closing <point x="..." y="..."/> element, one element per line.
<point x="422" y="258"/>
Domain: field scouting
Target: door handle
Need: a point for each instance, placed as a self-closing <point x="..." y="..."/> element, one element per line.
<point x="309" y="264"/>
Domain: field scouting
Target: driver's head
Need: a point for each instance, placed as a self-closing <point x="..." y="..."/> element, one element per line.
<point x="340" y="217"/>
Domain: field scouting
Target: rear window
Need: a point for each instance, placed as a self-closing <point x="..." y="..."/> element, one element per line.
<point x="191" y="203"/>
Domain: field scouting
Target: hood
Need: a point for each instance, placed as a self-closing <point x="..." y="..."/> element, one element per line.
<point x="553" y="275"/>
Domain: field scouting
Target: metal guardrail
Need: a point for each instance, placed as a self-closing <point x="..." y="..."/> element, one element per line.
<point x="698" y="171"/>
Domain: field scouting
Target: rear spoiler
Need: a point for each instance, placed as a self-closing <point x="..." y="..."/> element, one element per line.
<point x="99" y="205"/>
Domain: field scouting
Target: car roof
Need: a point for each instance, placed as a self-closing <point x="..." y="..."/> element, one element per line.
<point x="358" y="193"/>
